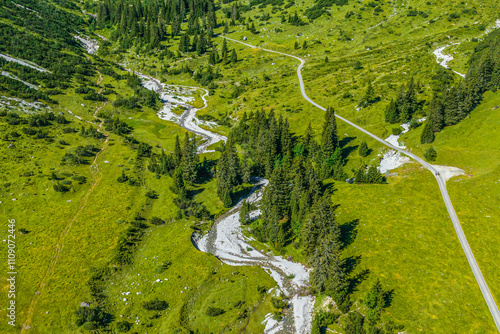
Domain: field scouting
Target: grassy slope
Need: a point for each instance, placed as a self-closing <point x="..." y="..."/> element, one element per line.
<point x="326" y="83"/>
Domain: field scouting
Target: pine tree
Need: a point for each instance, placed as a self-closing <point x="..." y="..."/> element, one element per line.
<point x="252" y="28"/>
<point x="369" y="96"/>
<point x="189" y="159"/>
<point x="296" y="46"/>
<point x="228" y="171"/>
<point x="177" y="151"/>
<point x="304" y="45"/>
<point x="375" y="302"/>
<point x="226" y="199"/>
<point x="234" y="57"/>
<point x="179" y="187"/>
<point x="329" y="139"/>
<point x="391" y="113"/>
<point x="224" y="51"/>
<point x="354" y="324"/>
<point x="436" y="115"/>
<point x="427" y="135"/>
<point x="363" y="149"/>
<point x="246" y="177"/>
<point x="245" y="213"/>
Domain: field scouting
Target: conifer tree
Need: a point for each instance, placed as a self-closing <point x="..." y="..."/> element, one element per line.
<point x="427" y="135"/>
<point x="190" y="159"/>
<point x="177" y="151"/>
<point x="391" y="113"/>
<point x="363" y="149"/>
<point x="245" y="213"/>
<point x="234" y="57"/>
<point x="228" y="171"/>
<point x="375" y="302"/>
<point x="329" y="139"/>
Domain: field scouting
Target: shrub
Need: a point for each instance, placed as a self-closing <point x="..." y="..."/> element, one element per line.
<point x="123" y="326"/>
<point x="60" y="188"/>
<point x="396" y="131"/>
<point x="214" y="311"/>
<point x="278" y="303"/>
<point x="152" y="194"/>
<point x="157" y="221"/>
<point x="430" y="154"/>
<point x="122" y="178"/>
<point x="155" y="305"/>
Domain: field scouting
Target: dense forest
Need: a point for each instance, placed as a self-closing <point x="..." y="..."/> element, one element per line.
<point x="58" y="56"/>
<point x="153" y="22"/>
<point x="453" y="103"/>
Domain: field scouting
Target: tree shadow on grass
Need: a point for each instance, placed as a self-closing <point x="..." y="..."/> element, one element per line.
<point x="348" y="233"/>
<point x="346" y="151"/>
<point x="355" y="281"/>
<point x="351" y="263"/>
<point x="388" y="297"/>
<point x="194" y="192"/>
<point x="346" y="140"/>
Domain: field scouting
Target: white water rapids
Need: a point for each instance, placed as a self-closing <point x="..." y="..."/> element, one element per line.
<point x="227" y="242"/>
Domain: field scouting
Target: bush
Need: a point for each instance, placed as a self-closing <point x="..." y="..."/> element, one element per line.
<point x="363" y="149"/>
<point x="278" y="303"/>
<point x="155" y="305"/>
<point x="122" y="178"/>
<point x="430" y="154"/>
<point x="123" y="326"/>
<point x="60" y="188"/>
<point x="157" y="221"/>
<point x="214" y="311"/>
<point x="152" y="194"/>
<point x="396" y="131"/>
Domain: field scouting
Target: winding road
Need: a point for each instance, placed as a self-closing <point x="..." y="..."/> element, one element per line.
<point x="490" y="301"/>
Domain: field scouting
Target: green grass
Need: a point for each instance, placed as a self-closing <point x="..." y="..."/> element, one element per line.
<point x="194" y="282"/>
<point x="404" y="235"/>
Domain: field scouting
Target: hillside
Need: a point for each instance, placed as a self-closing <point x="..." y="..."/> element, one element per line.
<point x="166" y="175"/>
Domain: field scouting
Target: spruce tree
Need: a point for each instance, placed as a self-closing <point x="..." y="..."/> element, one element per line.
<point x="391" y="113"/>
<point x="329" y="139"/>
<point x="245" y="213"/>
<point x="427" y="135"/>
<point x="177" y="151"/>
<point x="234" y="57"/>
<point x="363" y="149"/>
<point x="375" y="302"/>
<point x="190" y="159"/>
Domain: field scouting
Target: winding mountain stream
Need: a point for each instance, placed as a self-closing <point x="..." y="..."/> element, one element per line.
<point x="225" y="240"/>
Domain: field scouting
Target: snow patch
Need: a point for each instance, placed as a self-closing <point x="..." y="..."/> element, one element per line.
<point x="26" y="63"/>
<point x="272" y="326"/>
<point x="394" y="159"/>
<point x="91" y="45"/>
<point x="25" y="106"/>
<point x="12" y="76"/>
<point x="444" y="59"/>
